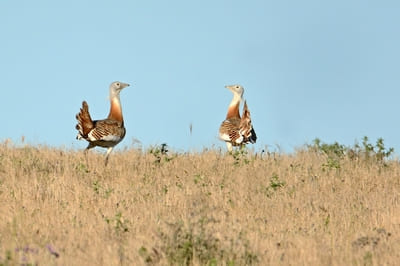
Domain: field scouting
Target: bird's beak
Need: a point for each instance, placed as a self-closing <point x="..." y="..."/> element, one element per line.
<point x="124" y="85"/>
<point x="229" y="87"/>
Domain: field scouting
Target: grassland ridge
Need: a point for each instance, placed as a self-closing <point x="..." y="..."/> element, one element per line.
<point x="152" y="207"/>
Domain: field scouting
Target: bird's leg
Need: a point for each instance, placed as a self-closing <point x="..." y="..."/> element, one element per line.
<point x="108" y="154"/>
<point x="229" y="146"/>
<point x="86" y="151"/>
<point x="242" y="147"/>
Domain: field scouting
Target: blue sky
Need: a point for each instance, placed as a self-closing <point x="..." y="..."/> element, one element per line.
<point x="326" y="69"/>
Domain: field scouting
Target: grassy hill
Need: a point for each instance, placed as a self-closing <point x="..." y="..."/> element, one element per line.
<point x="322" y="205"/>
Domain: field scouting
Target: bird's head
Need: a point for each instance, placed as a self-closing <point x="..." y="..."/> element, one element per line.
<point x="116" y="87"/>
<point x="236" y="89"/>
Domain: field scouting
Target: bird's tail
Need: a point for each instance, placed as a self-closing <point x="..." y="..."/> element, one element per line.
<point x="246" y="127"/>
<point x="85" y="122"/>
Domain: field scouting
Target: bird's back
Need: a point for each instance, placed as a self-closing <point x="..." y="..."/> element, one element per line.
<point x="107" y="133"/>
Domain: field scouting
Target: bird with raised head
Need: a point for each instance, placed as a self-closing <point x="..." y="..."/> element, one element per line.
<point x="104" y="133"/>
<point x="237" y="130"/>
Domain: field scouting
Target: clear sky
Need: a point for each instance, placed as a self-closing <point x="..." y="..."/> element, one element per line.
<point x="326" y="69"/>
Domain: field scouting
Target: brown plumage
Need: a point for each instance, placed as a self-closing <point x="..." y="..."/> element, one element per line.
<point x="104" y="133"/>
<point x="246" y="127"/>
<point x="236" y="130"/>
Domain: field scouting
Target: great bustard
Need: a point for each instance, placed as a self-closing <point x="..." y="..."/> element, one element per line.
<point x="236" y="130"/>
<point x="104" y="133"/>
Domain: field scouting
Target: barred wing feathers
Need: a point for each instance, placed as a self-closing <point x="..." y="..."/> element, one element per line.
<point x="230" y="131"/>
<point x="85" y="122"/>
<point x="107" y="130"/>
<point x="246" y="127"/>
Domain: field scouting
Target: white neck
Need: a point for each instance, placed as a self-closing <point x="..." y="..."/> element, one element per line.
<point x="236" y="99"/>
<point x="233" y="109"/>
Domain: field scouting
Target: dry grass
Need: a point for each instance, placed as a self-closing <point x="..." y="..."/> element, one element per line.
<point x="197" y="209"/>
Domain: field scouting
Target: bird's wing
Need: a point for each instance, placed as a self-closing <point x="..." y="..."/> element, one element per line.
<point x="85" y="122"/>
<point x="246" y="128"/>
<point x="229" y="131"/>
<point x="107" y="130"/>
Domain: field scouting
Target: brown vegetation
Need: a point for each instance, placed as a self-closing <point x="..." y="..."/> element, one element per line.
<point x="208" y="208"/>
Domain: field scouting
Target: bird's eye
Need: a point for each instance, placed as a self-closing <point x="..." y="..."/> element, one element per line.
<point x="118" y="84"/>
<point x="237" y="87"/>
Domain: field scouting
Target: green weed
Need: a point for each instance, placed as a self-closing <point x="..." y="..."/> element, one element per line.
<point x="161" y="153"/>
<point x="196" y="243"/>
<point x="365" y="151"/>
<point x="240" y="156"/>
<point x="118" y="223"/>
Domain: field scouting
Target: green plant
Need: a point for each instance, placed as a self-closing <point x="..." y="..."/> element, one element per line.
<point x="161" y="153"/>
<point x="201" y="180"/>
<point x="119" y="224"/>
<point x="145" y="254"/>
<point x="327" y="220"/>
<point x="368" y="258"/>
<point x="82" y="168"/>
<point x="331" y="163"/>
<point x="335" y="149"/>
<point x="196" y="243"/>
<point x="274" y="184"/>
<point x="240" y="156"/>
<point x="368" y="151"/>
<point x="365" y="151"/>
<point x="99" y="190"/>
<point x="96" y="187"/>
<point x="334" y="152"/>
<point x="7" y="260"/>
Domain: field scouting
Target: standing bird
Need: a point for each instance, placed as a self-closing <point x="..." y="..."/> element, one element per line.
<point x="104" y="133"/>
<point x="236" y="130"/>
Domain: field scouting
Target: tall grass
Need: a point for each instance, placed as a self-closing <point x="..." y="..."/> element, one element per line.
<point x="156" y="207"/>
